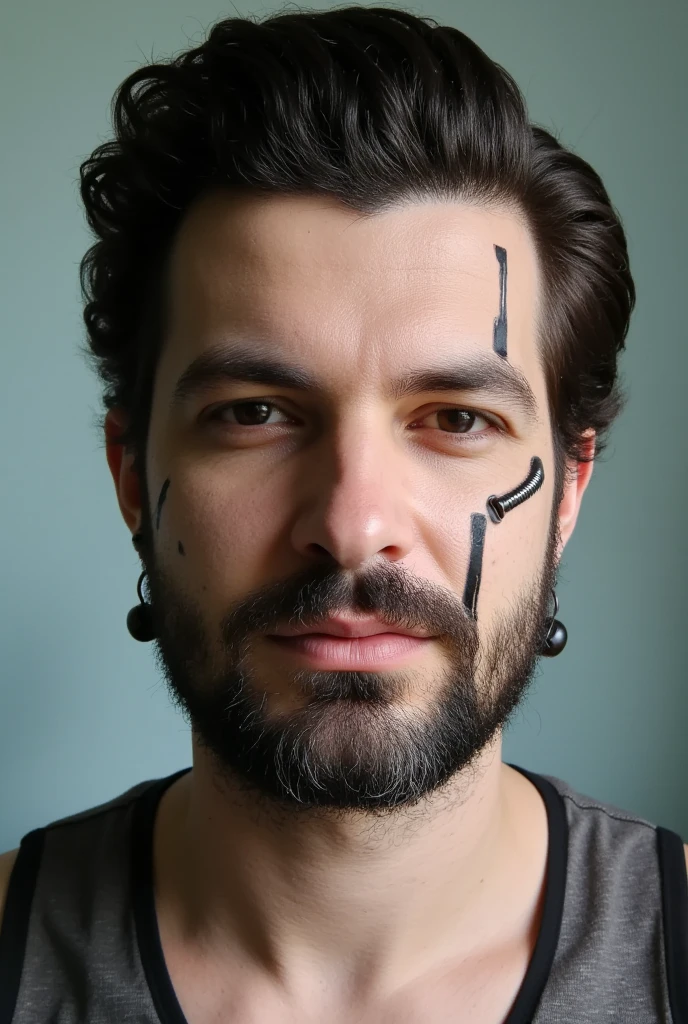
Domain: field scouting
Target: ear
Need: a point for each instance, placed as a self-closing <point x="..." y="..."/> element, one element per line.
<point x="121" y="463"/>
<point x="577" y="479"/>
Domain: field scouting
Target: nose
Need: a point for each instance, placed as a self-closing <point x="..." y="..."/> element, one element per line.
<point x="357" y="505"/>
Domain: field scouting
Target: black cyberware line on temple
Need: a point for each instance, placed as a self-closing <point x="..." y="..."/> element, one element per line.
<point x="499" y="331"/>
<point x="475" y="565"/>
<point x="499" y="506"/>
<point x="161" y="502"/>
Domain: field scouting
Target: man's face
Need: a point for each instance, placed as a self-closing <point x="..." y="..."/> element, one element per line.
<point x="352" y="494"/>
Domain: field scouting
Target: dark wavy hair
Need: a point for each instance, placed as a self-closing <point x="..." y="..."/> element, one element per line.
<point x="372" y="106"/>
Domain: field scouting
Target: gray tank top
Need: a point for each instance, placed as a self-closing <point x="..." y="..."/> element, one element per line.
<point x="80" y="945"/>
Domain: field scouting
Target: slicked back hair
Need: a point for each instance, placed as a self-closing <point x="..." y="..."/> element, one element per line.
<point x="374" y="107"/>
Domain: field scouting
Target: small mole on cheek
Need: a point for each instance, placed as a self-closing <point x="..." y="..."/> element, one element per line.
<point x="180" y="548"/>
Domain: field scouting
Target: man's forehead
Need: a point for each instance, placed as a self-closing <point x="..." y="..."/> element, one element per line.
<point x="321" y="282"/>
<point x="276" y="235"/>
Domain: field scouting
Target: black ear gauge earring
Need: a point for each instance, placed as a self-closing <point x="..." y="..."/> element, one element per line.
<point x="140" y="618"/>
<point x="555" y="636"/>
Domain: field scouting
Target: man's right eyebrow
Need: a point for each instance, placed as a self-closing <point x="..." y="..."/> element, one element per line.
<point x="227" y="364"/>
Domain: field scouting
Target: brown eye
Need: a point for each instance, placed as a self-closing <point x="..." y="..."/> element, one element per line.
<point x="246" y="414"/>
<point x="249" y="413"/>
<point x="459" y="421"/>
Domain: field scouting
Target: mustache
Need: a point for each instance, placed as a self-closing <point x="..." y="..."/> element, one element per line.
<point x="387" y="590"/>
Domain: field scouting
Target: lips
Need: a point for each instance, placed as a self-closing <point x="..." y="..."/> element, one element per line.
<point x="339" y="626"/>
<point x="375" y="651"/>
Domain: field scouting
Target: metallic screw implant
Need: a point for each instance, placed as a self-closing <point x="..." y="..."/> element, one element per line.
<point x="498" y="507"/>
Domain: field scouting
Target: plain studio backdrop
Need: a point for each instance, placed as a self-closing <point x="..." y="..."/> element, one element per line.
<point x="84" y="713"/>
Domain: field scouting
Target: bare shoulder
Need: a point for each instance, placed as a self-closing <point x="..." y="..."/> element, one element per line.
<point x="685" y="850"/>
<point x="6" y="864"/>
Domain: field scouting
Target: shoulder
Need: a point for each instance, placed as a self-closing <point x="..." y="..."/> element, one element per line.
<point x="596" y="824"/>
<point x="615" y="815"/>
<point x="79" y="841"/>
<point x="6" y="864"/>
<point x="71" y="838"/>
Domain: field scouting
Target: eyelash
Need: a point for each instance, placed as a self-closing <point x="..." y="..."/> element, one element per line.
<point x="215" y="415"/>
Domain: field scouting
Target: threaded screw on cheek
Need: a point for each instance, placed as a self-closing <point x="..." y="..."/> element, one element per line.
<point x="499" y="506"/>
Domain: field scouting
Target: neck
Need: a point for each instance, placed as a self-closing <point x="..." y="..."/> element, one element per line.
<point x="342" y="896"/>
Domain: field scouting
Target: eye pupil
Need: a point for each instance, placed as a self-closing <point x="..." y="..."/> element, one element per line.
<point x="249" y="420"/>
<point x="459" y="420"/>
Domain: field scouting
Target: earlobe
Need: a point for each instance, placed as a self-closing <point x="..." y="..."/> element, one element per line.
<point x="124" y="476"/>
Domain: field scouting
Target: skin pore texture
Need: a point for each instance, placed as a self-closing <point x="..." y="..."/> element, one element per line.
<point x="349" y="845"/>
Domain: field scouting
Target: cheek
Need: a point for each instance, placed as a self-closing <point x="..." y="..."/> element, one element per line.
<point x="443" y="510"/>
<point x="514" y="552"/>
<point x="513" y="547"/>
<point x="227" y="528"/>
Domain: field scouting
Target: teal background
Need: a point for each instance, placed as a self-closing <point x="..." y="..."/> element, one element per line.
<point x="83" y="710"/>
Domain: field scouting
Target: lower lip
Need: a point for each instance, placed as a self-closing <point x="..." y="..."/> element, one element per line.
<point x="322" y="650"/>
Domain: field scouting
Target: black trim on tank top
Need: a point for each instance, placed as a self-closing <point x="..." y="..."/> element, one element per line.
<point x="537" y="974"/>
<point x="148" y="935"/>
<point x="15" y="921"/>
<point x="672" y="870"/>
<point x="143" y="895"/>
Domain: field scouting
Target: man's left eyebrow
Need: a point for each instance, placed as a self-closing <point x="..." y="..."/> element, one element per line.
<point x="483" y="373"/>
<point x="478" y="373"/>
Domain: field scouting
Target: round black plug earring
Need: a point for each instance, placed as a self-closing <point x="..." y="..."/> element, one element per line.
<point x="140" y="618"/>
<point x="555" y="635"/>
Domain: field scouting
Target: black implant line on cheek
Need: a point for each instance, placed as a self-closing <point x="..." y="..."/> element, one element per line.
<point x="475" y="565"/>
<point x="161" y="502"/>
<point x="180" y="548"/>
<point x="498" y="507"/>
<point x="499" y="332"/>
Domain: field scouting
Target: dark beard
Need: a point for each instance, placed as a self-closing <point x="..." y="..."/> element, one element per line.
<point x="354" y="740"/>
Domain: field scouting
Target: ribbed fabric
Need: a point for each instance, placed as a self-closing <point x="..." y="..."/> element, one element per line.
<point x="79" y="942"/>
